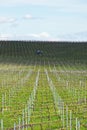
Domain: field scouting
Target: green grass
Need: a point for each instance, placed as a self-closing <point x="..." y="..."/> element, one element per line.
<point x="66" y="64"/>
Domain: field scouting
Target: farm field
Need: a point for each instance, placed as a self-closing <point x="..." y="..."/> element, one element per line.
<point x="46" y="91"/>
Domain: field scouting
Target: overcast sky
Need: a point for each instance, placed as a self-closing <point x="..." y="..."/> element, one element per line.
<point x="43" y="19"/>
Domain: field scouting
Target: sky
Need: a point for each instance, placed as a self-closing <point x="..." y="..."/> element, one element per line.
<point x="53" y="20"/>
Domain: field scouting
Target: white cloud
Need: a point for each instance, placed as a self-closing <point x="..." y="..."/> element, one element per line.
<point x="46" y="2"/>
<point x="28" y="16"/>
<point x="65" y="5"/>
<point x="40" y="35"/>
<point x="5" y="36"/>
<point x="80" y="36"/>
<point x="44" y="34"/>
<point x="54" y="39"/>
<point x="16" y="2"/>
<point x="78" y="8"/>
<point x="7" y="20"/>
<point x="36" y="2"/>
<point x="32" y="36"/>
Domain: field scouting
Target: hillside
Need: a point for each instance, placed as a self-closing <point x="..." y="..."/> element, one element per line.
<point x="52" y="51"/>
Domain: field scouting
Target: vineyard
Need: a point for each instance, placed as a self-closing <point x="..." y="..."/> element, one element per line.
<point x="43" y="91"/>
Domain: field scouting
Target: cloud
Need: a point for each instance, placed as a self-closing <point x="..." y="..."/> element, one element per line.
<point x="44" y="34"/>
<point x="31" y="17"/>
<point x="31" y="36"/>
<point x="28" y="16"/>
<point x="7" y="20"/>
<point x="80" y="36"/>
<point x="40" y="35"/>
<point x="63" y="5"/>
<point x="46" y="2"/>
<point x="78" y="8"/>
<point x="5" y="36"/>
<point x="15" y="2"/>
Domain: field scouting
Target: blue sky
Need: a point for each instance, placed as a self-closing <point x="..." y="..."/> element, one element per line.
<point x="43" y="20"/>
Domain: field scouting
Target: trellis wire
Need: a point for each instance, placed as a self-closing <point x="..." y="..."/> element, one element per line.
<point x="28" y="109"/>
<point x="57" y="99"/>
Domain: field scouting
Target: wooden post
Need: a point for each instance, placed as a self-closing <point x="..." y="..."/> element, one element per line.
<point x="63" y="114"/>
<point x="2" y="127"/>
<point x="76" y="124"/>
<point x="85" y="99"/>
<point x="19" y="123"/>
<point x="67" y="117"/>
<point x="70" y="120"/>
<point x="2" y="103"/>
<point x="23" y="119"/>
<point x="5" y="100"/>
<point x="14" y="126"/>
<point x="9" y="99"/>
